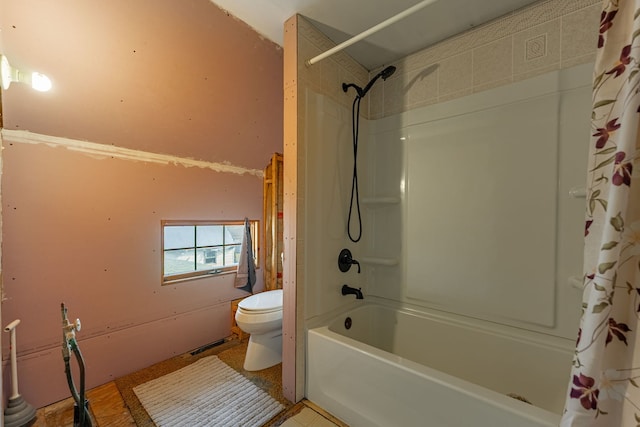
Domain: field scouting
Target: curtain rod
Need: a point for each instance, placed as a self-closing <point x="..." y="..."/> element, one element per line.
<point x="370" y="31"/>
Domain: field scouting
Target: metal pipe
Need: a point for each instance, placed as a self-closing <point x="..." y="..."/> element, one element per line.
<point x="370" y="31"/>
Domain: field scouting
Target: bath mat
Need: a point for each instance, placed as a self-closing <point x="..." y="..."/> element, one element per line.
<point x="206" y="393"/>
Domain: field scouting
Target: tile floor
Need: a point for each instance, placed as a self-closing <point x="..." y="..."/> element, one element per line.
<point x="309" y="418"/>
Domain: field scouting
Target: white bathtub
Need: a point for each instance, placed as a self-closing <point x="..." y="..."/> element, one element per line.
<point x="397" y="366"/>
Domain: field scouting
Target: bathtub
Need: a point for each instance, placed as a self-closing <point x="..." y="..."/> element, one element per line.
<point x="399" y="366"/>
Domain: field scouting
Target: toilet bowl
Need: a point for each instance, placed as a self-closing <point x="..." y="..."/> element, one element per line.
<point x="260" y="315"/>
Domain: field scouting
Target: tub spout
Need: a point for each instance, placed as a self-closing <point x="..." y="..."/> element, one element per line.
<point x="348" y="290"/>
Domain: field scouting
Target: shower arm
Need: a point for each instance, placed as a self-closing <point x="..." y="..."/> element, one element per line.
<point x="359" y="91"/>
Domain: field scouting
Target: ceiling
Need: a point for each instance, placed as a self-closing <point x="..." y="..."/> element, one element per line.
<point x="342" y="19"/>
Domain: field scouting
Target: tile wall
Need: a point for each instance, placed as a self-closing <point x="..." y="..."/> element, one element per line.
<point x="546" y="36"/>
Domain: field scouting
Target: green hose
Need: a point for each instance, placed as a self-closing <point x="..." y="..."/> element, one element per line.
<point x="81" y="416"/>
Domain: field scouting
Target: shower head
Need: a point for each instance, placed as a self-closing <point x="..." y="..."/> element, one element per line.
<point x="385" y="74"/>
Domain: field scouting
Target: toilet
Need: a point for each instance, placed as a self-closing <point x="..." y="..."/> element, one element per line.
<point x="260" y="315"/>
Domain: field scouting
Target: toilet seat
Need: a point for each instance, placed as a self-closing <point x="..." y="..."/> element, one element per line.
<point x="263" y="321"/>
<point x="257" y="312"/>
<point x="262" y="303"/>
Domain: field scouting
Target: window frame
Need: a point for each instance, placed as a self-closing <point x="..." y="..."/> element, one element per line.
<point x="199" y="274"/>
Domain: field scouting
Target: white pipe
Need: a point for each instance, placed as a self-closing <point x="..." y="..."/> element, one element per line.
<point x="11" y="327"/>
<point x="370" y="31"/>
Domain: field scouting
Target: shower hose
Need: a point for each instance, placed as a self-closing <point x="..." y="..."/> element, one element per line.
<point x="81" y="415"/>
<point x="355" y="196"/>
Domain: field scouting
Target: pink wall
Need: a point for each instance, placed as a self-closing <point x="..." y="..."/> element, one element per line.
<point x="156" y="75"/>
<point x="179" y="78"/>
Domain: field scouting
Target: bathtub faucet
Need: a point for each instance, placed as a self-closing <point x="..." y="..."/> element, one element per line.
<point x="348" y="290"/>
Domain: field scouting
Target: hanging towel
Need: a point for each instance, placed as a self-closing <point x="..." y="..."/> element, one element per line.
<point x="246" y="275"/>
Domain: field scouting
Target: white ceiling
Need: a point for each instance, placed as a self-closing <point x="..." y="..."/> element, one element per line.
<point x="342" y="19"/>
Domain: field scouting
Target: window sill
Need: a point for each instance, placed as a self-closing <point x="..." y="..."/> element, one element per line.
<point x="202" y="276"/>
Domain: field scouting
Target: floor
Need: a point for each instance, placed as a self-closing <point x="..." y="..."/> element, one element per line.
<point x="308" y="417"/>
<point x="109" y="409"/>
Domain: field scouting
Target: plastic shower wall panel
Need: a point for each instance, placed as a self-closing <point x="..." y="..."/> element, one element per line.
<point x="481" y="206"/>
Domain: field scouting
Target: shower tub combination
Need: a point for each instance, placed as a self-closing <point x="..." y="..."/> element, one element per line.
<point x="384" y="364"/>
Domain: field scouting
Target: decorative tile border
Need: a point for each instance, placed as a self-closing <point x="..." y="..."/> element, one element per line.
<point x="545" y="36"/>
<point x="536" y="47"/>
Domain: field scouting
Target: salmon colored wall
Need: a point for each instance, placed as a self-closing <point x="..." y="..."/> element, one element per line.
<point x="178" y="78"/>
<point x="181" y="78"/>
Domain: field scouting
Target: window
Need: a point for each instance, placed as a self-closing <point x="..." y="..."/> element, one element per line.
<point x="192" y="249"/>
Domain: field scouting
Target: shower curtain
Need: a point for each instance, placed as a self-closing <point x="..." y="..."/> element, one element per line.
<point x="604" y="388"/>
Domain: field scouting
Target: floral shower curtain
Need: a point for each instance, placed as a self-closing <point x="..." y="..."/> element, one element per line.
<point x="604" y="389"/>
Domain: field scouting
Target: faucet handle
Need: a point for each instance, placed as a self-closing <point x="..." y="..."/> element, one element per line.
<point x="345" y="261"/>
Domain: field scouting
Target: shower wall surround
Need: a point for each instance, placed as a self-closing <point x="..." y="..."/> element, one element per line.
<point x="547" y="36"/>
<point x="301" y="42"/>
<point x="474" y="211"/>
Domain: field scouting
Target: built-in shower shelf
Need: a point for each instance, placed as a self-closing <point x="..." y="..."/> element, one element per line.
<point x="578" y="192"/>
<point x="380" y="200"/>
<point x="380" y="261"/>
<point x="576" y="282"/>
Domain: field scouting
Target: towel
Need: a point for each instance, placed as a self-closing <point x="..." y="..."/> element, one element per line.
<point x="246" y="275"/>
